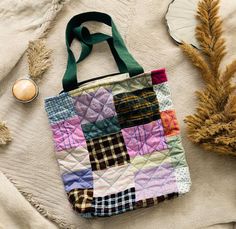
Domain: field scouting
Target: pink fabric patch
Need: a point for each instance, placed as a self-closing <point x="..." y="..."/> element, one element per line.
<point x="158" y="76"/>
<point x="154" y="182"/>
<point x="68" y="134"/>
<point x="144" y="139"/>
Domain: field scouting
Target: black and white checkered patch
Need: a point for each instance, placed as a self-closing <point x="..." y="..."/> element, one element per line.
<point x="115" y="203"/>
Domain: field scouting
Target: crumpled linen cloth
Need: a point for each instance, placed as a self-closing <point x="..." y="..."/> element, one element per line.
<point x="16" y="212"/>
<point x="20" y="22"/>
<point x="30" y="159"/>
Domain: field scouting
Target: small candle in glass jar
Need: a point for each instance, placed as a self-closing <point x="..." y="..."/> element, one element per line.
<point x="25" y="90"/>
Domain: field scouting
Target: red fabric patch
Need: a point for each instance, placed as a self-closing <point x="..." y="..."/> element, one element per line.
<point x="158" y="76"/>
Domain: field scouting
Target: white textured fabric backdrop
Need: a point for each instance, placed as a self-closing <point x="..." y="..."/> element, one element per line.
<point x="16" y="212"/>
<point x="30" y="159"/>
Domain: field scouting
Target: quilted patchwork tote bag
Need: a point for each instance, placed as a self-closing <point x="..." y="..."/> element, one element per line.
<point x="117" y="140"/>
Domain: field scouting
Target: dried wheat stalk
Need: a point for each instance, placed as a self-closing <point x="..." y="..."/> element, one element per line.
<point x="213" y="126"/>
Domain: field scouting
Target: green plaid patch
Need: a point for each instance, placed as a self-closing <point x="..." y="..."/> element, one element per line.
<point x="137" y="107"/>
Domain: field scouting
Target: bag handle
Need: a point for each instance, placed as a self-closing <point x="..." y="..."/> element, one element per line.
<point x="124" y="60"/>
<point x="87" y="40"/>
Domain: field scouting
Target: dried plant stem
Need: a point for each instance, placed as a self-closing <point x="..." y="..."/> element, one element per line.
<point x="213" y="126"/>
<point x="38" y="58"/>
<point x="5" y="135"/>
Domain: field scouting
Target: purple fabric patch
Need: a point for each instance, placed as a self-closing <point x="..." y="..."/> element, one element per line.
<point x="68" y="134"/>
<point x="82" y="179"/>
<point x="158" y="76"/>
<point x="95" y="106"/>
<point x="154" y="182"/>
<point x="144" y="139"/>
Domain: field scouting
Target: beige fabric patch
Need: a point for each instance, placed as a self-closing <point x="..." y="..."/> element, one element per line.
<point x="111" y="181"/>
<point x="73" y="160"/>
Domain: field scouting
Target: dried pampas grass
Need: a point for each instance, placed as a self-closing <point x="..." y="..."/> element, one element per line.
<point x="5" y="135"/>
<point x="213" y="126"/>
<point x="38" y="58"/>
<point x="39" y="61"/>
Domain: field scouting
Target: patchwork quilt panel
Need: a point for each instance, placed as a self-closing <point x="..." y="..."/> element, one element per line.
<point x="118" y="145"/>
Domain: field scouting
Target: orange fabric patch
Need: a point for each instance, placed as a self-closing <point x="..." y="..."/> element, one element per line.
<point x="170" y="123"/>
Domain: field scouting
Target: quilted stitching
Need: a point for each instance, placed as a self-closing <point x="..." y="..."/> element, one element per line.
<point x="115" y="203"/>
<point x="113" y="180"/>
<point x="118" y="145"/>
<point x="95" y="106"/>
<point x="73" y="159"/>
<point x="81" y="179"/>
<point x="164" y="97"/>
<point x="132" y="84"/>
<point x="101" y="128"/>
<point x="59" y="108"/>
<point x="155" y="182"/>
<point x="81" y="200"/>
<point x="144" y="139"/>
<point x="176" y="149"/>
<point x="150" y="160"/>
<point x="107" y="151"/>
<point x="68" y="134"/>
<point x="108" y="82"/>
<point x="170" y="123"/>
<point x="137" y="107"/>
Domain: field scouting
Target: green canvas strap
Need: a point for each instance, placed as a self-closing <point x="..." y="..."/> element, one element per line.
<point x="87" y="40"/>
<point x="124" y="60"/>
